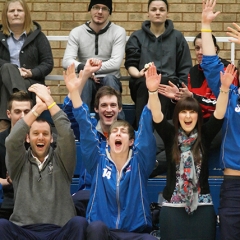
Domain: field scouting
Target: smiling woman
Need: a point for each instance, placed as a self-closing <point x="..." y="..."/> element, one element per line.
<point x="21" y="64"/>
<point x="187" y="210"/>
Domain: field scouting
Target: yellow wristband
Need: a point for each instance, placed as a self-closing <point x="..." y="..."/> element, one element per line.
<point x="50" y="106"/>
<point x="206" y="30"/>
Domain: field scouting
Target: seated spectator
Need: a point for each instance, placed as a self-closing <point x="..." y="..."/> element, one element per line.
<point x="188" y="212"/>
<point x="19" y="104"/>
<point x="157" y="41"/>
<point x="120" y="170"/>
<point x="197" y="86"/>
<point x="25" y="54"/>
<point x="41" y="176"/>
<point x="97" y="38"/>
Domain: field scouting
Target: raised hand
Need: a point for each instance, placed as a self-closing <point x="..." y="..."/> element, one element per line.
<point x="235" y="33"/>
<point x="208" y="13"/>
<point x="71" y="80"/>
<point x="92" y="65"/>
<point x="169" y="91"/>
<point x="41" y="91"/>
<point x="227" y="77"/>
<point x="152" y="78"/>
<point x="40" y="102"/>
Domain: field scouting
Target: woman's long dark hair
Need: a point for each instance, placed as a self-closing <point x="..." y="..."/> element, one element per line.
<point x="187" y="103"/>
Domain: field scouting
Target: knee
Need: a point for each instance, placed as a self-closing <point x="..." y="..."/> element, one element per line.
<point x="7" y="66"/>
<point x="78" y="221"/>
<point x="4" y="224"/>
<point x="112" y="81"/>
<point x="97" y="227"/>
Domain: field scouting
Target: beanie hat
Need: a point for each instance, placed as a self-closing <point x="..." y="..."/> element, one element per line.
<point x="107" y="3"/>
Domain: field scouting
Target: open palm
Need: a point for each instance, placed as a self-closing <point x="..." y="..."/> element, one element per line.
<point x="71" y="80"/>
<point x="228" y="76"/>
<point x="152" y="78"/>
<point x="208" y="14"/>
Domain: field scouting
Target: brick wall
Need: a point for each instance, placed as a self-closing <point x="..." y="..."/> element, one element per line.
<point x="58" y="17"/>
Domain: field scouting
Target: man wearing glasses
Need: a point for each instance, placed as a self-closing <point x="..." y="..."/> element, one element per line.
<point x="97" y="38"/>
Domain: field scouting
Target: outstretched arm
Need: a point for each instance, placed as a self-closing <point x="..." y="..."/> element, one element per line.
<point x="211" y="64"/>
<point x="152" y="82"/>
<point x="222" y="100"/>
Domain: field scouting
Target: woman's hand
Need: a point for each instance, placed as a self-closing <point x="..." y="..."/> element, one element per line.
<point x="235" y="33"/>
<point x="183" y="92"/>
<point x="227" y="77"/>
<point x="169" y="91"/>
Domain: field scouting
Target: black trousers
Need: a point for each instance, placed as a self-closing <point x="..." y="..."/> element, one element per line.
<point x="176" y="224"/>
<point x="10" y="82"/>
<point x="139" y="94"/>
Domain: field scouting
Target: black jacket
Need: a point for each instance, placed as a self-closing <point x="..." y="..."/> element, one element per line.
<point x="36" y="53"/>
<point x="169" y="52"/>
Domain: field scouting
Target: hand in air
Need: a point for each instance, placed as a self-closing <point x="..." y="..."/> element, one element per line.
<point x="71" y="80"/>
<point x="43" y="96"/>
<point x="227" y="77"/>
<point x="208" y="13"/>
<point x="92" y="65"/>
<point x="235" y="33"/>
<point x="152" y="78"/>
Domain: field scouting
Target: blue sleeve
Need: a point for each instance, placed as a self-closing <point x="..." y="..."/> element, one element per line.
<point x="212" y="66"/>
<point x="145" y="143"/>
<point x="89" y="141"/>
<point x="67" y="108"/>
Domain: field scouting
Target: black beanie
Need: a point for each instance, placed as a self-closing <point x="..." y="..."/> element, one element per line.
<point x="107" y="3"/>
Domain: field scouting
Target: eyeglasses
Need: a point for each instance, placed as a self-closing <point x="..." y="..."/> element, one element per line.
<point x="98" y="8"/>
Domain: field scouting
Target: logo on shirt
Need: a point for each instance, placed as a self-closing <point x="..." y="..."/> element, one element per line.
<point x="237" y="108"/>
<point x="107" y="172"/>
